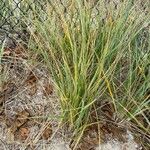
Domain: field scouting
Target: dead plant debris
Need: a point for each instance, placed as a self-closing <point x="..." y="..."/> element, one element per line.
<point x="48" y="89"/>
<point x="23" y="133"/>
<point x="47" y="132"/>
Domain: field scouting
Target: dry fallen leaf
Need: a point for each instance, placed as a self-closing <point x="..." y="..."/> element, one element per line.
<point x="31" y="79"/>
<point x="21" y="118"/>
<point x="32" y="89"/>
<point x="89" y="140"/>
<point x="31" y="82"/>
<point x="23" y="133"/>
<point x="48" y="89"/>
<point x="47" y="133"/>
<point x="7" y="52"/>
<point x="15" y="125"/>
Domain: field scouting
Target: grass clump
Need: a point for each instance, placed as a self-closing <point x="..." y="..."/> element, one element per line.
<point x="91" y="51"/>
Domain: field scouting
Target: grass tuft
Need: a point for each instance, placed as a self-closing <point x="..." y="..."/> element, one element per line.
<point x="95" y="54"/>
